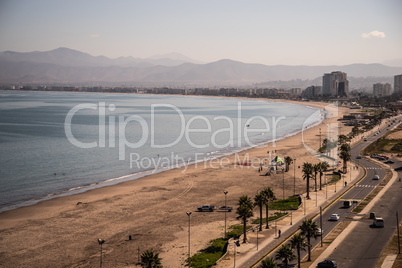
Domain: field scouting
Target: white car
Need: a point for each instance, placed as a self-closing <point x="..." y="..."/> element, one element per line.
<point x="376" y="177"/>
<point x="318" y="232"/>
<point x="334" y="217"/>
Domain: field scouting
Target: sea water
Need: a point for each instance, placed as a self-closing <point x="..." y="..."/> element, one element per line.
<point x="59" y="143"/>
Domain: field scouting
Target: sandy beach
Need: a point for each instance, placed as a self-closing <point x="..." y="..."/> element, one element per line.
<point x="64" y="232"/>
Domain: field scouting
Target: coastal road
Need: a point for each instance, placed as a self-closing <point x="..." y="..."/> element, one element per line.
<point x="356" y="193"/>
<point x="363" y="246"/>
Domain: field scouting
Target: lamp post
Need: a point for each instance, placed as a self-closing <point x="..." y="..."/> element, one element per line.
<point x="321" y="224"/>
<point x="291" y="217"/>
<point x="397" y="228"/>
<point x="257" y="239"/>
<point x="305" y="205"/>
<point x="283" y="192"/>
<point x="101" y="241"/>
<point x="320" y="142"/>
<point x="294" y="178"/>
<point x="225" y="192"/>
<point x="188" y="214"/>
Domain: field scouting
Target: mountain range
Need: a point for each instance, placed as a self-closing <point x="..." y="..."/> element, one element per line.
<point x="64" y="65"/>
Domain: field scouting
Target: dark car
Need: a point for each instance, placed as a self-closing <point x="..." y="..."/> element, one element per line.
<point x="398" y="168"/>
<point x="327" y="263"/>
<point x="389" y="162"/>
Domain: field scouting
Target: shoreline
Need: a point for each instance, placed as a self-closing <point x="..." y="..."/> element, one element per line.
<point x="109" y="182"/>
<point x="114" y="212"/>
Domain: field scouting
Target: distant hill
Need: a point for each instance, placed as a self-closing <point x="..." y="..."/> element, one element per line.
<point x="65" y="65"/>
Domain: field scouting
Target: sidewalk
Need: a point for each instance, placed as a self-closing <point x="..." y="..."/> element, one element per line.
<point x="268" y="238"/>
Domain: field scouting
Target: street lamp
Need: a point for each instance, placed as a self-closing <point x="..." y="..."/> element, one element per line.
<point x="225" y="192"/>
<point x="291" y="217"/>
<point x="294" y="178"/>
<point x="322" y="233"/>
<point x="236" y="244"/>
<point x="101" y="241"/>
<point x="320" y="142"/>
<point x="188" y="214"/>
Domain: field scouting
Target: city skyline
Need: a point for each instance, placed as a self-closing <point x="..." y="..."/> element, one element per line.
<point x="266" y="32"/>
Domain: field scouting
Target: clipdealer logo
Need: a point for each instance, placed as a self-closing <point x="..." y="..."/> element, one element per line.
<point x="147" y="130"/>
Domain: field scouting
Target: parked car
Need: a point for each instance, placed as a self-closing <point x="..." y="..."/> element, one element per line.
<point x="206" y="208"/>
<point x="398" y="168"/>
<point x="378" y="222"/>
<point x="381" y="158"/>
<point x="365" y="139"/>
<point x="359" y="157"/>
<point x="376" y="177"/>
<point x="389" y="162"/>
<point x="327" y="263"/>
<point x="334" y="217"/>
<point x="374" y="156"/>
<point x="226" y="208"/>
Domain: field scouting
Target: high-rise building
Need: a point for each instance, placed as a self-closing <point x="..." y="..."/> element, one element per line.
<point x="312" y="91"/>
<point x="398" y="83"/>
<point x="335" y="84"/>
<point x="295" y="91"/>
<point x="381" y="90"/>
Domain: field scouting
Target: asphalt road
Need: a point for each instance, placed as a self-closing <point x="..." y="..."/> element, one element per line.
<point x="350" y="253"/>
<point x="363" y="246"/>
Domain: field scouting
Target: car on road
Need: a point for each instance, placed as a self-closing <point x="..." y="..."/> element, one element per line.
<point x="378" y="222"/>
<point x="398" y="168"/>
<point x="389" y="162"/>
<point x="365" y="139"/>
<point x="376" y="177"/>
<point x="334" y="217"/>
<point x="359" y="157"/>
<point x="318" y="232"/>
<point x="327" y="263"/>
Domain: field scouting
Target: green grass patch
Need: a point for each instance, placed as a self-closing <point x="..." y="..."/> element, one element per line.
<point x="235" y="231"/>
<point x="209" y="256"/>
<point x="271" y="218"/>
<point x="334" y="178"/>
<point x="287" y="204"/>
<point x="384" y="145"/>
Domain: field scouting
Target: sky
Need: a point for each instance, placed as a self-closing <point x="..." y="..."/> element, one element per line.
<point x="280" y="32"/>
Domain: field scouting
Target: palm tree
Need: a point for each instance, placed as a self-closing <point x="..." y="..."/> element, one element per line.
<point x="355" y="131"/>
<point x="298" y="242"/>
<point x="268" y="196"/>
<point x="285" y="254"/>
<point x="323" y="167"/>
<point x="288" y="161"/>
<point x="342" y="138"/>
<point x="307" y="172"/>
<point x="316" y="169"/>
<point x="309" y="229"/>
<point x="268" y="263"/>
<point x="259" y="201"/>
<point x="245" y="211"/>
<point x="345" y="155"/>
<point x="150" y="259"/>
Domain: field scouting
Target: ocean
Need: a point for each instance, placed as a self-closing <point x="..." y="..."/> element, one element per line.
<point x="59" y="143"/>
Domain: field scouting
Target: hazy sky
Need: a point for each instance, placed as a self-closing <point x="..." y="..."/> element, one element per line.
<point x="299" y="32"/>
